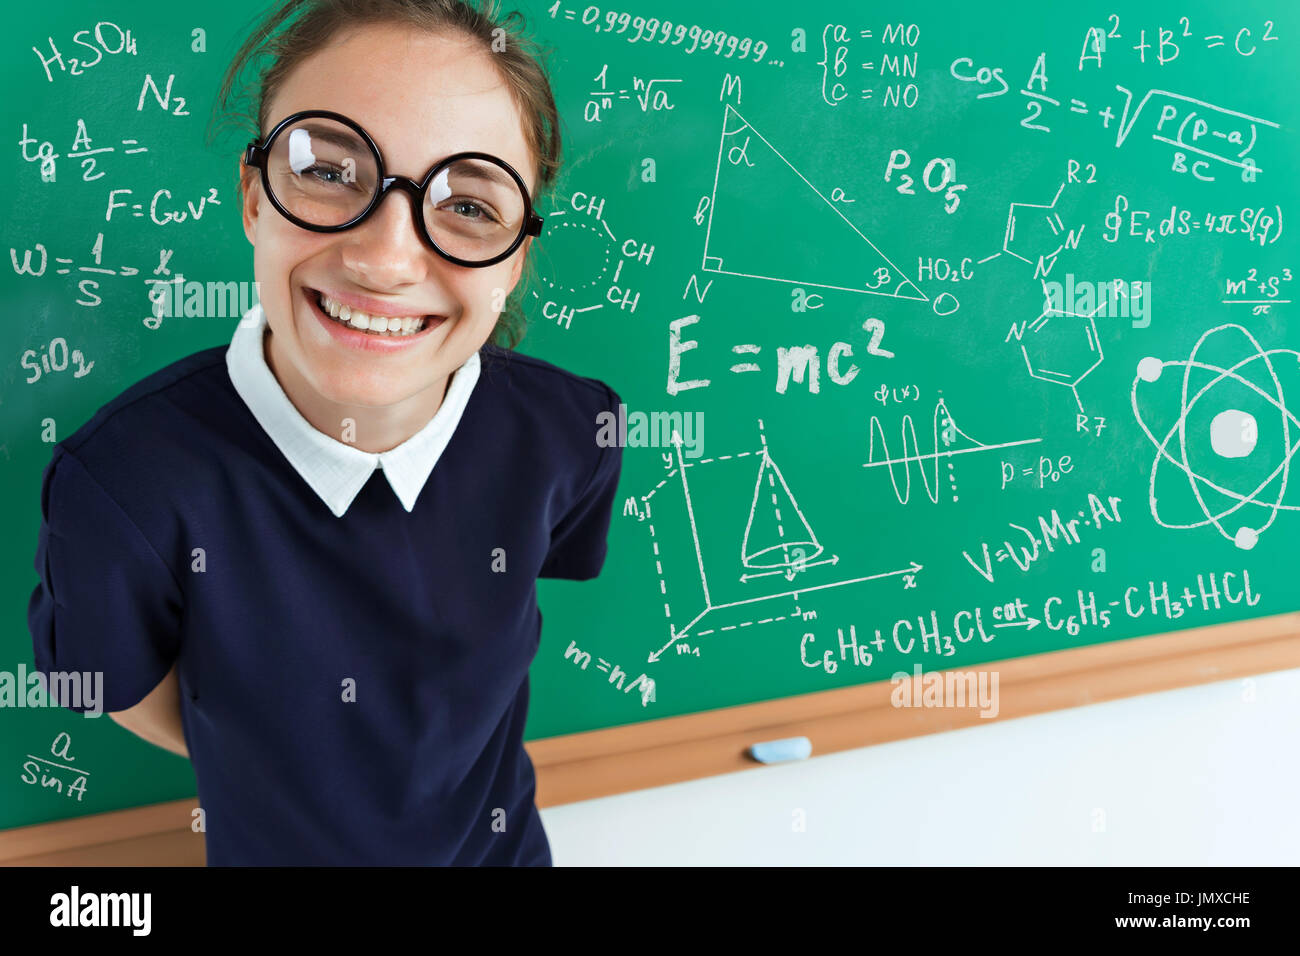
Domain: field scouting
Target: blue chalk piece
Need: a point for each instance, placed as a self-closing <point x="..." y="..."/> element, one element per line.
<point x="776" y="751"/>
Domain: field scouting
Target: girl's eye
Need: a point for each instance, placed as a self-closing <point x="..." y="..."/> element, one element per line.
<point x="326" y="174"/>
<point x="471" y="210"/>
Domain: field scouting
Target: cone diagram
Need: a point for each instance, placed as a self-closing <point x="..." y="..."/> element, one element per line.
<point x="776" y="534"/>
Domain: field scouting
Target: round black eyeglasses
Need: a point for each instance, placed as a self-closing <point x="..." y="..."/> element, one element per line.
<point x="323" y="172"/>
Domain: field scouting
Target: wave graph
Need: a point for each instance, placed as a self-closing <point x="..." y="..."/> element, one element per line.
<point x="944" y="430"/>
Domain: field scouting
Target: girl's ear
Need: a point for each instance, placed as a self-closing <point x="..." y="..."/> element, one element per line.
<point x="250" y="194"/>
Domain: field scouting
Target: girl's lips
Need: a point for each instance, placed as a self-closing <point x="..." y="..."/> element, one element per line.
<point x="366" y="341"/>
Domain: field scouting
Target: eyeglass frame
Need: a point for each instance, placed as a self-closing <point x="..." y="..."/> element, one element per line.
<point x="258" y="151"/>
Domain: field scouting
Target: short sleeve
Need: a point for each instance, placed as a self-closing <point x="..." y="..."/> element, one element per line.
<point x="578" y="542"/>
<point x="106" y="602"/>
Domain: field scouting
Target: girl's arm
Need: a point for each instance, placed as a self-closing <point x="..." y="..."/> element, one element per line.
<point x="157" y="718"/>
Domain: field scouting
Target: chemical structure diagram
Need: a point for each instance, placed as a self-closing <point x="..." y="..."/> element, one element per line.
<point x="1032" y="227"/>
<point x="1060" y="346"/>
<point x="580" y="232"/>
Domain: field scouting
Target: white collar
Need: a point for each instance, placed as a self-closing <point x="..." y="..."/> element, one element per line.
<point x="336" y="470"/>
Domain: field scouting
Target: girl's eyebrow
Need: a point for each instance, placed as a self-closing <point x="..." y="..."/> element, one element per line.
<point x="334" y="137"/>
<point x="484" y="171"/>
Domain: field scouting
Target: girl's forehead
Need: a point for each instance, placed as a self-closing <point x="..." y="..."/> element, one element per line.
<point x="420" y="97"/>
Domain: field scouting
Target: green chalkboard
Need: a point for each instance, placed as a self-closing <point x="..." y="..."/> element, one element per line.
<point x="971" y="323"/>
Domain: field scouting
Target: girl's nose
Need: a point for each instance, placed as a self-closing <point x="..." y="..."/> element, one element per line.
<point x="387" y="250"/>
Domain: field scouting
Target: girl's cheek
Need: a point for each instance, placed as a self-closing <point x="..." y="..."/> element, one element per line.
<point x="499" y="294"/>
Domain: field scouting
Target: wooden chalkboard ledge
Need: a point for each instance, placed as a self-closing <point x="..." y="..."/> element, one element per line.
<point x="155" y="835"/>
<point x="658" y="752"/>
<point x="675" y="749"/>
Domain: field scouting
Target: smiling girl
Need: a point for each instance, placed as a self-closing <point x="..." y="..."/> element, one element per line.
<point x="308" y="560"/>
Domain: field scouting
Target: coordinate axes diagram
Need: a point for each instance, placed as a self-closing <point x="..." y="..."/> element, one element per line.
<point x="766" y="220"/>
<point x="729" y="535"/>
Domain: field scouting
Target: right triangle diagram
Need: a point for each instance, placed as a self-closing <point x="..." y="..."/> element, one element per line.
<point x="766" y="221"/>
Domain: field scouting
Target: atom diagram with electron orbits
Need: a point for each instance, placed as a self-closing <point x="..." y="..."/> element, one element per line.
<point x="1251" y="474"/>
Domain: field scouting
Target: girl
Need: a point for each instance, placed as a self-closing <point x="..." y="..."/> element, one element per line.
<point x="308" y="560"/>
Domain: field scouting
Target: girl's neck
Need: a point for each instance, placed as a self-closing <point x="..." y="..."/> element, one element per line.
<point x="372" y="429"/>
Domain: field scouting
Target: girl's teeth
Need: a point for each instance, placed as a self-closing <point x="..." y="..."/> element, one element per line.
<point x="375" y="324"/>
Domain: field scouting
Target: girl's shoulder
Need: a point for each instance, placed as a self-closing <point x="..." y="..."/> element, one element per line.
<point x="516" y="367"/>
<point x="139" y="410"/>
<point x="551" y="416"/>
<point x="541" y="387"/>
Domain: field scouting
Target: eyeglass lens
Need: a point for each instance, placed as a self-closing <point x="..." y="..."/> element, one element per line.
<point x="325" y="174"/>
